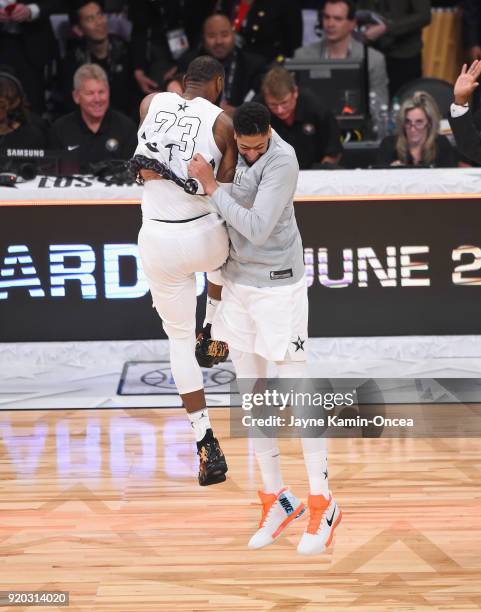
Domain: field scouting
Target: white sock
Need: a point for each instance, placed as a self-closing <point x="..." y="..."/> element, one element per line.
<point x="200" y="423"/>
<point x="315" y="459"/>
<point x="269" y="461"/>
<point x="210" y="309"/>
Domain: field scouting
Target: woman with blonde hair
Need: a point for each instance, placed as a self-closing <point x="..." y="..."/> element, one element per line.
<point x="416" y="141"/>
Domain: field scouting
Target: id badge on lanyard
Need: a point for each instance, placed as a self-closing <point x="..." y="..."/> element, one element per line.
<point x="178" y="42"/>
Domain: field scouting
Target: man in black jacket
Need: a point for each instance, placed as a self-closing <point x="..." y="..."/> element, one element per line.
<point x="95" y="45"/>
<point x="301" y="120"/>
<point x="243" y="70"/>
<point x="462" y="121"/>
<point x="27" y="44"/>
<point x="270" y="28"/>
<point x="399" y="36"/>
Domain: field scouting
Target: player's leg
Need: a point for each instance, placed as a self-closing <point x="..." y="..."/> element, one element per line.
<point x="279" y="506"/>
<point x="209" y="351"/>
<point x="214" y="296"/>
<point x="174" y="297"/>
<point x="324" y="513"/>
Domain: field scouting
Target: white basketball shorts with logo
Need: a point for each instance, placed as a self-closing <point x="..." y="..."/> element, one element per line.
<point x="171" y="254"/>
<point x="268" y="321"/>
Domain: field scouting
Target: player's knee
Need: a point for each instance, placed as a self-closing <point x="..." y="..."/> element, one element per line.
<point x="179" y="332"/>
<point x="185" y="369"/>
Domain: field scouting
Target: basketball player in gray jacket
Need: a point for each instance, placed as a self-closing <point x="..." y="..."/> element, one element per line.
<point x="264" y="309"/>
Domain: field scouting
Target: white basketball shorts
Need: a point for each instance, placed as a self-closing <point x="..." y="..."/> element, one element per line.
<point x="268" y="321"/>
<point x="171" y="254"/>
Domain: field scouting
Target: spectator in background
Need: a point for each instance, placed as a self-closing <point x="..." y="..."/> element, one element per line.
<point x="338" y="22"/>
<point x="300" y="119"/>
<point x="466" y="126"/>
<point x="416" y="141"/>
<point x="93" y="132"/>
<point x="243" y="70"/>
<point x="18" y="129"/>
<point x="162" y="31"/>
<point x="472" y="36"/>
<point x="95" y="45"/>
<point x="399" y="37"/>
<point x="472" y="28"/>
<point x="270" y="28"/>
<point x="175" y="84"/>
<point x="28" y="45"/>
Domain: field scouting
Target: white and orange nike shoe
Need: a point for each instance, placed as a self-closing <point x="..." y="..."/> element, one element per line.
<point x="277" y="512"/>
<point x="324" y="517"/>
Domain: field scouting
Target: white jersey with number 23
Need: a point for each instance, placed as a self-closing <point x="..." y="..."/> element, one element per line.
<point x="174" y="130"/>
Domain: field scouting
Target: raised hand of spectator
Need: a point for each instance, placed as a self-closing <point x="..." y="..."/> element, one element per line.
<point x="467" y="82"/>
<point x="146" y="84"/>
<point x="374" y="31"/>
<point x="21" y="13"/>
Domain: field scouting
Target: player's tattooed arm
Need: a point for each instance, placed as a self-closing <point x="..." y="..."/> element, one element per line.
<point x="147" y="175"/>
<point x="224" y="138"/>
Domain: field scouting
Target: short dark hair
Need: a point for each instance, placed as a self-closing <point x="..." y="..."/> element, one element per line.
<point x="203" y="69"/>
<point x="251" y="118"/>
<point x="12" y="90"/>
<point x="76" y="5"/>
<point x="351" y="8"/>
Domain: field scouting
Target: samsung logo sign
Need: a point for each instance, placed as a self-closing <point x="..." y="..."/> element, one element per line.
<point x="36" y="153"/>
<point x="76" y="264"/>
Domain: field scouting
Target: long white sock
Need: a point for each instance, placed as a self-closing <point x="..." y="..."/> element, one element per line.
<point x="200" y="423"/>
<point x="210" y="309"/>
<point x="315" y="459"/>
<point x="252" y="366"/>
<point x="269" y="461"/>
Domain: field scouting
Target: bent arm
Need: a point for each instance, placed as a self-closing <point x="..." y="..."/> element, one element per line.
<point x="275" y="192"/>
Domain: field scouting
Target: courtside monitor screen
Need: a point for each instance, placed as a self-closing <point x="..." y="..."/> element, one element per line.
<point x="339" y="84"/>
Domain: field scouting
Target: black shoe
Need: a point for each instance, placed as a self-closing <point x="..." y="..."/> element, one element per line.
<point x="210" y="352"/>
<point x="212" y="466"/>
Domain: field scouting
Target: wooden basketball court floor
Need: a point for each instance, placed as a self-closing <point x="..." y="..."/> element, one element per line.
<point x="105" y="504"/>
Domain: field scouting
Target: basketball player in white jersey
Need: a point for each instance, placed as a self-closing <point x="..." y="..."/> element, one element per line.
<point x="263" y="314"/>
<point x="181" y="232"/>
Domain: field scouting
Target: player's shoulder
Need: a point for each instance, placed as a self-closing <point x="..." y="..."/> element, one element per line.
<point x="224" y="122"/>
<point x="157" y="96"/>
<point x="282" y="155"/>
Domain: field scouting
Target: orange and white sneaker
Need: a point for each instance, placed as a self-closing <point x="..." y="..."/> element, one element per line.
<point x="324" y="517"/>
<point x="277" y="512"/>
